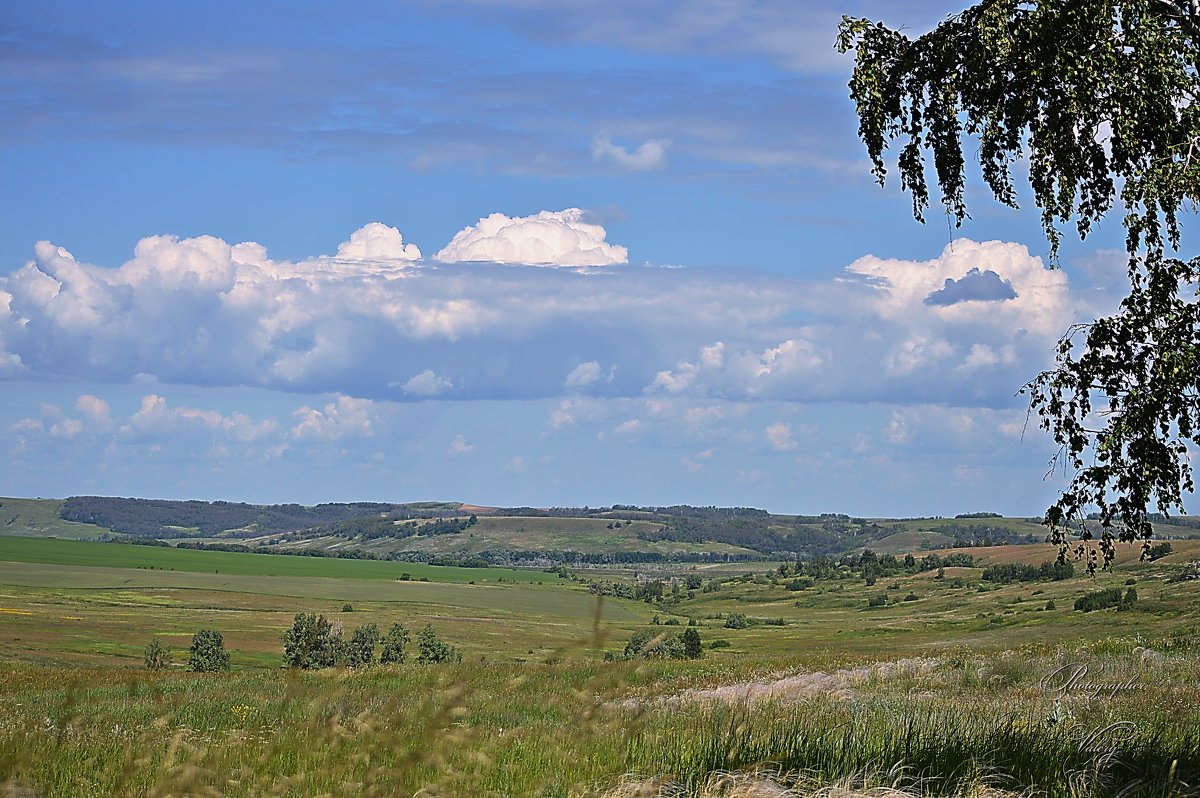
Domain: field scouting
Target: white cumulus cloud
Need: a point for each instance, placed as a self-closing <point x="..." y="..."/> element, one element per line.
<point x="554" y="238"/>
<point x="377" y="241"/>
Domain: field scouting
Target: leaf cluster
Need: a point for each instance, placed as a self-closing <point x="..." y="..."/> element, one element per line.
<point x="1099" y="97"/>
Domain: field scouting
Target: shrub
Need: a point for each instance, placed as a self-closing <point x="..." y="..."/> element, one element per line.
<point x="394" y="644"/>
<point x="736" y="620"/>
<point x="692" y="647"/>
<point x="433" y="649"/>
<point x="347" y="607"/>
<point x="911" y="597"/>
<point x="207" y="652"/>
<point x="157" y="656"/>
<point x="877" y="601"/>
<point x="720" y="644"/>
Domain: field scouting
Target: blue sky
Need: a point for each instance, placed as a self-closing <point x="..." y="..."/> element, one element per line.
<point x="500" y="251"/>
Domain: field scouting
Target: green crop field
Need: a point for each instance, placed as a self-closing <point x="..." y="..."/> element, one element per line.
<point x="64" y="552"/>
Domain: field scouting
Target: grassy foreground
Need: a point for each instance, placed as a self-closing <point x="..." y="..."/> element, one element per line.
<point x="956" y="726"/>
<point x="968" y="688"/>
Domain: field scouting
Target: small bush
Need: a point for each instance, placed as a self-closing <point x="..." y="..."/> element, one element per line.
<point x="877" y="601"/>
<point x="911" y="597"/>
<point x="347" y="608"/>
<point x="394" y="644"/>
<point x="720" y="644"/>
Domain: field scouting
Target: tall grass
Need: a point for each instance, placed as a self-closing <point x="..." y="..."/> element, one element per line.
<point x="570" y="730"/>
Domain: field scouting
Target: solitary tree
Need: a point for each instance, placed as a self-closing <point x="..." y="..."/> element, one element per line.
<point x="360" y="650"/>
<point x="1102" y="97"/>
<point x="207" y="652"/>
<point x="310" y="642"/>
<point x="432" y="648"/>
<point x="692" y="647"/>
<point x="157" y="657"/>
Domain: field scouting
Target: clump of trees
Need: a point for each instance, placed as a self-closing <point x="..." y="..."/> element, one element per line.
<point x="655" y="644"/>
<point x="1015" y="572"/>
<point x="1158" y="551"/>
<point x="314" y="642"/>
<point x="1103" y="599"/>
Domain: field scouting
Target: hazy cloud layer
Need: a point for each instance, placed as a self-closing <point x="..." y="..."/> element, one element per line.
<point x="224" y="443"/>
<point x="200" y="311"/>
<point x="795" y="35"/>
<point x="650" y="155"/>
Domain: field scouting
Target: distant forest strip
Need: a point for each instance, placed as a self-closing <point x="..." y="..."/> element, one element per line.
<point x="154" y="518"/>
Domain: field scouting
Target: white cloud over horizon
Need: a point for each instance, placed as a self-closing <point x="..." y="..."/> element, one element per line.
<point x="548" y="238"/>
<point x="203" y="312"/>
<point x="377" y="241"/>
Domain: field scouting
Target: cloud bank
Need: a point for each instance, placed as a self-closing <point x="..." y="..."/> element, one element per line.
<point x="375" y="322"/>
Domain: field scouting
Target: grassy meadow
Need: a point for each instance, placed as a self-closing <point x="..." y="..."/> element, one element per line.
<point x="964" y="689"/>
